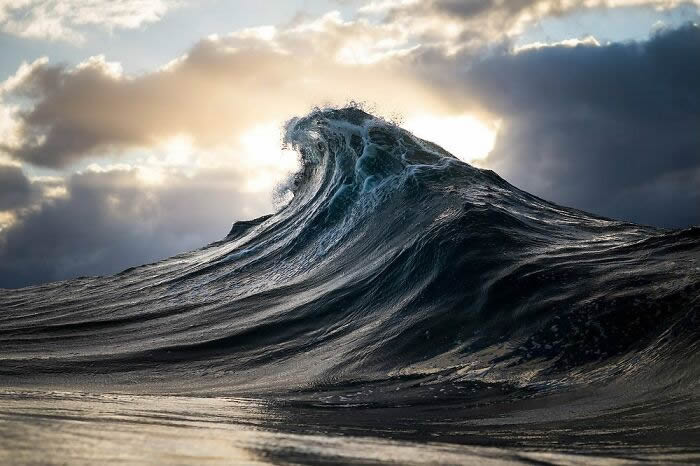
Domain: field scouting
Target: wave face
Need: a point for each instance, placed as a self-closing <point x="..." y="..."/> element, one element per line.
<point x="395" y="265"/>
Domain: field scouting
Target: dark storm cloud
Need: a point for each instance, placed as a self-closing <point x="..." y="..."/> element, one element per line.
<point x="480" y="20"/>
<point x="483" y="22"/>
<point x="612" y="129"/>
<point x="110" y="221"/>
<point x="470" y="8"/>
<point x="15" y="188"/>
<point x="511" y="10"/>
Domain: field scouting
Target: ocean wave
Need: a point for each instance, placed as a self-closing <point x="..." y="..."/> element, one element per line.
<point x="393" y="262"/>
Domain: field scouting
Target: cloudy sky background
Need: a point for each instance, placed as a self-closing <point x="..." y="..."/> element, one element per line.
<point x="131" y="130"/>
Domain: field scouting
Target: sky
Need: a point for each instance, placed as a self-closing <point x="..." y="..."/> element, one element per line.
<point x="132" y="130"/>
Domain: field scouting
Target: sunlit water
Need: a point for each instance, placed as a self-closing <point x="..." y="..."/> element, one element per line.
<point x="83" y="428"/>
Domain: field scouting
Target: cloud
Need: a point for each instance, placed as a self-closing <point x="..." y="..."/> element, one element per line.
<point x="63" y="20"/>
<point x="15" y="188"/>
<point x="111" y="219"/>
<point x="225" y="85"/>
<point x="214" y="93"/>
<point x="588" y="40"/>
<point x="611" y="129"/>
<point x="473" y="24"/>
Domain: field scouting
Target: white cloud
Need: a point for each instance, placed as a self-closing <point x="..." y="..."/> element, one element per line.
<point x="588" y="41"/>
<point x="64" y="19"/>
<point x="22" y="73"/>
<point x="8" y="126"/>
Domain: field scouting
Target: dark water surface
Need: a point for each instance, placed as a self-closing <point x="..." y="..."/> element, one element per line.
<point x="404" y="307"/>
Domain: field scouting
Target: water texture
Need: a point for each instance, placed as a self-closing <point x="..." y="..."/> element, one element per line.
<point x="403" y="307"/>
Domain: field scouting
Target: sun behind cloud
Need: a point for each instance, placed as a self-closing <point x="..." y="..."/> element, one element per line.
<point x="465" y="136"/>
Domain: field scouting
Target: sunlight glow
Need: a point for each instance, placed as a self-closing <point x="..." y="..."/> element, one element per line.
<point x="151" y="176"/>
<point x="264" y="158"/>
<point x="55" y="192"/>
<point x="179" y="150"/>
<point x="7" y="219"/>
<point x="464" y="136"/>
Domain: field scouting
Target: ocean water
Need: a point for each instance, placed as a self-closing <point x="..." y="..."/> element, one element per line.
<point x="403" y="307"/>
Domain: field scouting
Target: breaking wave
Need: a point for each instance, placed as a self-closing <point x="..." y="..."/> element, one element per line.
<point x="394" y="265"/>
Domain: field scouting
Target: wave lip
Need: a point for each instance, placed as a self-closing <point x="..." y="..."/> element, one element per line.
<point x="393" y="262"/>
